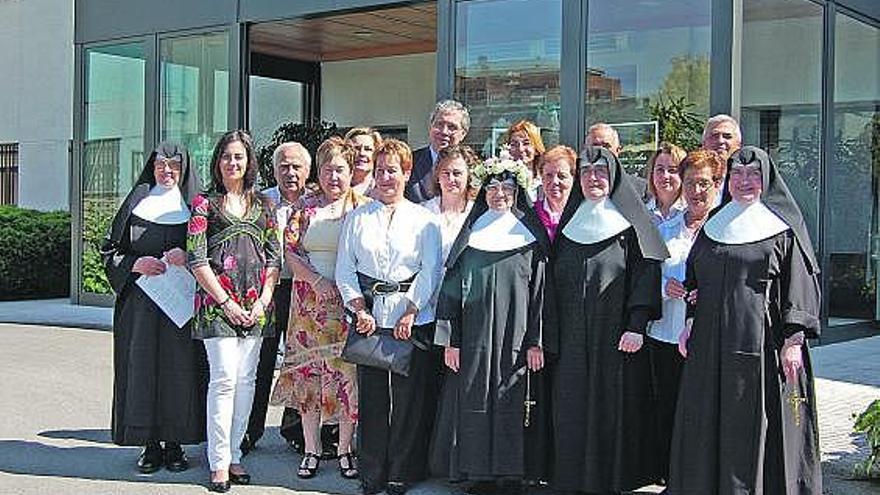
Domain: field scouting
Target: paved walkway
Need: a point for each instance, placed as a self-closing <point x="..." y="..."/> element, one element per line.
<point x="55" y="405"/>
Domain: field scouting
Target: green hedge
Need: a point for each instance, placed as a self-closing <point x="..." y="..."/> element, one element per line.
<point x="34" y="253"/>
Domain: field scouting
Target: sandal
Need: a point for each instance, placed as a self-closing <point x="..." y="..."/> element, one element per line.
<point x="306" y="470"/>
<point x="349" y="470"/>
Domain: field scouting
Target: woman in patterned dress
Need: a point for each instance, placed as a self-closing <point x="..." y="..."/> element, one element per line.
<point x="314" y="378"/>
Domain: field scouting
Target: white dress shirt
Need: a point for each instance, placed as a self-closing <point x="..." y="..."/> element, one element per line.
<point x="283" y="209"/>
<point x="391" y="244"/>
<point x="679" y="241"/>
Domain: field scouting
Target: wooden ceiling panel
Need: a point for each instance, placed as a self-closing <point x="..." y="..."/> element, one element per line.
<point x="393" y="31"/>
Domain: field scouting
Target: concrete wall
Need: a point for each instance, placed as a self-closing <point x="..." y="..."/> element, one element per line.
<point x="36" y="95"/>
<point x="390" y="91"/>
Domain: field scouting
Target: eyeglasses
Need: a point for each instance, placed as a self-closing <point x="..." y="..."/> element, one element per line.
<point x="506" y="187"/>
<point x="161" y="162"/>
<point x="701" y="184"/>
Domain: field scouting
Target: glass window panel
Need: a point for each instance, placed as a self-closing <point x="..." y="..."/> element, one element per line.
<point x="113" y="145"/>
<point x="194" y="93"/>
<point x="273" y="102"/>
<point x="854" y="172"/>
<point x="781" y="93"/>
<point x="637" y="52"/>
<point x="507" y="67"/>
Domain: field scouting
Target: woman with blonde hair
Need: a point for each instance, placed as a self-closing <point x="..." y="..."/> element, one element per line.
<point x="314" y="378"/>
<point x="523" y="139"/>
<point x="664" y="182"/>
<point x="364" y="141"/>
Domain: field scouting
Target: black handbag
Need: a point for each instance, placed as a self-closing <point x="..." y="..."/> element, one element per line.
<point x="377" y="350"/>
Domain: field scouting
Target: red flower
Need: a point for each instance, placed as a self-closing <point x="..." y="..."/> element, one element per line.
<point x="197" y="225"/>
<point x="251" y="294"/>
<point x="200" y="205"/>
<point x="209" y="300"/>
<point x="226" y="282"/>
<point x="197" y="302"/>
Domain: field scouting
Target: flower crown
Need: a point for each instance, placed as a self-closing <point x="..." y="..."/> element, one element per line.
<point x="500" y="164"/>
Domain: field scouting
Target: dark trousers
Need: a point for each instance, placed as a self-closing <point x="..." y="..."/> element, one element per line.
<point x="666" y="366"/>
<point x="395" y="414"/>
<point x="291" y="426"/>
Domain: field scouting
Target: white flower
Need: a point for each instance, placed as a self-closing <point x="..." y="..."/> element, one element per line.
<point x="500" y="164"/>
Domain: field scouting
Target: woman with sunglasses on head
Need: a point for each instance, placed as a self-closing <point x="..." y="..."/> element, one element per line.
<point x="746" y="415"/>
<point x="158" y="370"/>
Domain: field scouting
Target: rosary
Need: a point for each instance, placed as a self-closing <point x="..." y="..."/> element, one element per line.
<point x="528" y="403"/>
<point x="795" y="401"/>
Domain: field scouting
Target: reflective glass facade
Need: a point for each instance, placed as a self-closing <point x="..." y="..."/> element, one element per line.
<point x="803" y="77"/>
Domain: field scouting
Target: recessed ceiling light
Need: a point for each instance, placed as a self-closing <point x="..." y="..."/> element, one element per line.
<point x="363" y="33"/>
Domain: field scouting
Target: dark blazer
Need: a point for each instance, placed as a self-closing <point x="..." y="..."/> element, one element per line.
<point x="418" y="187"/>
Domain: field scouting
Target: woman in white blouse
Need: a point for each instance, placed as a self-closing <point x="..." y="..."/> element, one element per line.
<point x="700" y="175"/>
<point x="390" y="255"/>
<point x="454" y="199"/>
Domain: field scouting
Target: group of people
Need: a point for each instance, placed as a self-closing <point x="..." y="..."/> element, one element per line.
<point x="563" y="324"/>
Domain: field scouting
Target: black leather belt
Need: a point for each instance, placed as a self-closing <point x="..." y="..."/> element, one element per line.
<point x="372" y="287"/>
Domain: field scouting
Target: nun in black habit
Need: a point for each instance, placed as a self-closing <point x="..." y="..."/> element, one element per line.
<point x="160" y="378"/>
<point x="746" y="416"/>
<point x="491" y="301"/>
<point x="606" y="270"/>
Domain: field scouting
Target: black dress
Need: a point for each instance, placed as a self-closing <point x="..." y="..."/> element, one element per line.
<point x="160" y="372"/>
<point x="737" y="429"/>
<point x="493" y="302"/>
<point x="602" y="401"/>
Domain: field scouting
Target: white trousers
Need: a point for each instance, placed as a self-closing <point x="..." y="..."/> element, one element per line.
<point x="233" y="365"/>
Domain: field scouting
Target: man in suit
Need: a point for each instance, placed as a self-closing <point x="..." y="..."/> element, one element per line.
<point x="448" y="125"/>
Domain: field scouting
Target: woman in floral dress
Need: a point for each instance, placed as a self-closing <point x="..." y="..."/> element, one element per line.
<point x="233" y="253"/>
<point x="314" y="378"/>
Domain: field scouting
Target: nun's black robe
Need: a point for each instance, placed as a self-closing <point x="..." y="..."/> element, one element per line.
<point x="602" y="417"/>
<point x="737" y="431"/>
<point x="160" y="373"/>
<point x="493" y="302"/>
<point x="159" y="384"/>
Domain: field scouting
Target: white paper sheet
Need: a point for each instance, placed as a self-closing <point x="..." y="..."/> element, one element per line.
<point x="173" y="292"/>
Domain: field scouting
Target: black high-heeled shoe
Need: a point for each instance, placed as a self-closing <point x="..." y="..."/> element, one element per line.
<point x="348" y="469"/>
<point x="306" y="471"/>
<point x="239" y="478"/>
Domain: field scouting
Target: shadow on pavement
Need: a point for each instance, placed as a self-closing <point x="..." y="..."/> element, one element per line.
<point x="118" y="464"/>
<point x="94" y="435"/>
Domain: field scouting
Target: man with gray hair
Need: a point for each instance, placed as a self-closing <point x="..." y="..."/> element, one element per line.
<point x="722" y="135"/>
<point x="603" y="135"/>
<point x="291" y="164"/>
<point x="447" y="126"/>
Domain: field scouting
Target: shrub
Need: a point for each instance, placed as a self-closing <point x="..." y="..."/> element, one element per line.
<point x="868" y="422"/>
<point x="97" y="216"/>
<point x="34" y="253"/>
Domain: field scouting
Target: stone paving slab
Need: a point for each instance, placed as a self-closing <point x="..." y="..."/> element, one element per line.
<point x="55" y="409"/>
